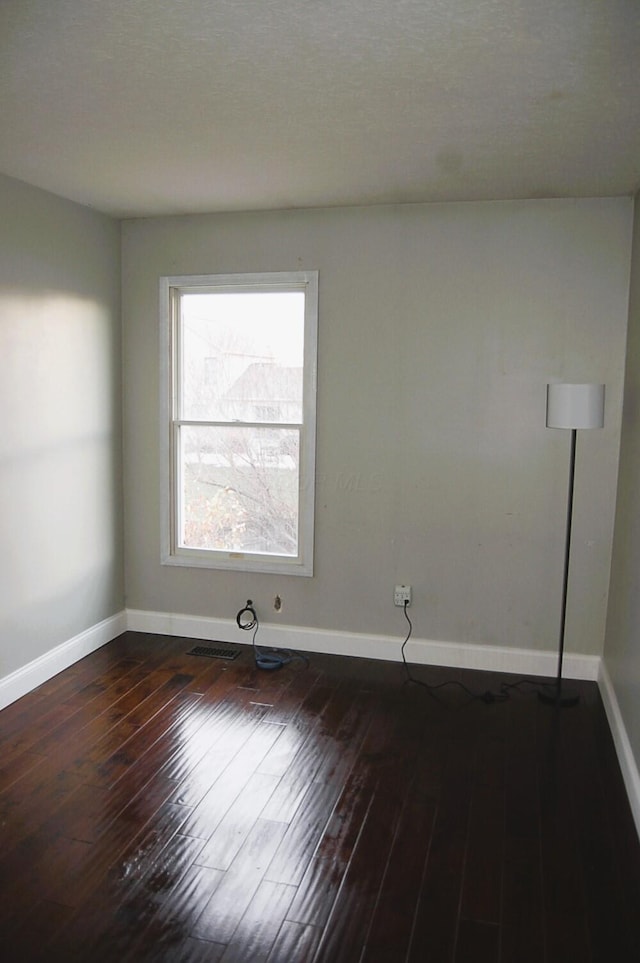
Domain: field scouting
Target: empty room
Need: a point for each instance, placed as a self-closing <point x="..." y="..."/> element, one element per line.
<point x="320" y="481"/>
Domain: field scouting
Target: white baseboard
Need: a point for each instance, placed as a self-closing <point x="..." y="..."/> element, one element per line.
<point x="628" y="764"/>
<point x="30" y="676"/>
<point x="383" y="647"/>
<point x="388" y="648"/>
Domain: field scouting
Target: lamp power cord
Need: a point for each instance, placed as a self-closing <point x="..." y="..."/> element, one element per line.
<point x="487" y="697"/>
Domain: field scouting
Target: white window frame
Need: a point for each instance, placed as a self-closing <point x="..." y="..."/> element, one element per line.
<point x="171" y="288"/>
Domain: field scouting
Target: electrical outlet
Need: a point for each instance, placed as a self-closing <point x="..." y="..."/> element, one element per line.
<point x="402" y="595"/>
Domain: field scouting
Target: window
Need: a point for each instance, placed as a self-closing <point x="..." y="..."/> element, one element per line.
<point x="238" y="452"/>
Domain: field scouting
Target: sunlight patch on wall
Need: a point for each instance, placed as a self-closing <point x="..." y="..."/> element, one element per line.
<point x="56" y="448"/>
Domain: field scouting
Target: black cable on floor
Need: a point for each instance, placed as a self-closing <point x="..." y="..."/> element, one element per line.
<point x="488" y="697"/>
<point x="267" y="659"/>
<point x="536" y="685"/>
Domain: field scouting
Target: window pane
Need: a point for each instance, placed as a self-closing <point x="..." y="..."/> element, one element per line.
<point x="242" y="356"/>
<point x="240" y="489"/>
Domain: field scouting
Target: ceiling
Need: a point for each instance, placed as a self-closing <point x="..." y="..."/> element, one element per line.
<point x="145" y="107"/>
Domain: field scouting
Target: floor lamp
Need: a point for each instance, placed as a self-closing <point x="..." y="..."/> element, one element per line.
<point x="572" y="407"/>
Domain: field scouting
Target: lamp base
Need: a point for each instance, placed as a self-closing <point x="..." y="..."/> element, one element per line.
<point x="565" y="697"/>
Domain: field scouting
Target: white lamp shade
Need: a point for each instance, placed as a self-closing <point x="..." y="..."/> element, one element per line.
<point x="575" y="406"/>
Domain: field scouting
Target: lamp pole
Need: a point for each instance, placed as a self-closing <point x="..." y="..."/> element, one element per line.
<point x="569" y="697"/>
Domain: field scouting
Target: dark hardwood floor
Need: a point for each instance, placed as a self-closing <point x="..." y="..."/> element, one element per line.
<point x="158" y="806"/>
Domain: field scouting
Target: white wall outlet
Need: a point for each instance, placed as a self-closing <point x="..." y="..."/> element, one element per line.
<point x="402" y="594"/>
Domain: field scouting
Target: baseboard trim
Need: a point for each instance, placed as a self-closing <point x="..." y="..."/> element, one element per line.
<point x="30" y="676"/>
<point x="388" y="648"/>
<point x="628" y="765"/>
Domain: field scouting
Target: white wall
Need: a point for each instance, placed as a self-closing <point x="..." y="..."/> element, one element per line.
<point x="622" y="650"/>
<point x="61" y="439"/>
<point x="440" y="326"/>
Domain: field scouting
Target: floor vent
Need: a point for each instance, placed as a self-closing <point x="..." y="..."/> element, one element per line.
<point x="215" y="652"/>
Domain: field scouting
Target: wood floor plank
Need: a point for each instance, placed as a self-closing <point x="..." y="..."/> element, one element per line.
<point x="348" y="923"/>
<point x="321" y="882"/>
<point x="120" y="912"/>
<point x="477" y="942"/>
<point x="29" y="803"/>
<point x="565" y="917"/>
<point x="333" y="723"/>
<point x="522" y="813"/>
<point x="117" y="750"/>
<point x="357" y="887"/>
<point x="302" y="681"/>
<point x="80" y="879"/>
<point x="302" y="836"/>
<point x="300" y="735"/>
<point x="389" y="935"/>
<point x="617" y="804"/>
<point x="31" y="708"/>
<point x="106" y="709"/>
<point x="150" y="866"/>
<point x="35" y="868"/>
<point x="93" y="737"/>
<point x="189" y="950"/>
<point x="236" y="891"/>
<point x="600" y="867"/>
<point x="318" y="803"/>
<point x="39" y="927"/>
<point x="344" y="816"/>
<point x="15" y="765"/>
<point x="294" y="943"/>
<point x="295" y="735"/>
<point x="482" y="881"/>
<point x="29" y="736"/>
<point x="255" y="934"/>
<point x="228" y="731"/>
<point x="232" y="780"/>
<point x="175" y="915"/>
<point x="522" y="931"/>
<point x="227" y="838"/>
<point x="436" y="918"/>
